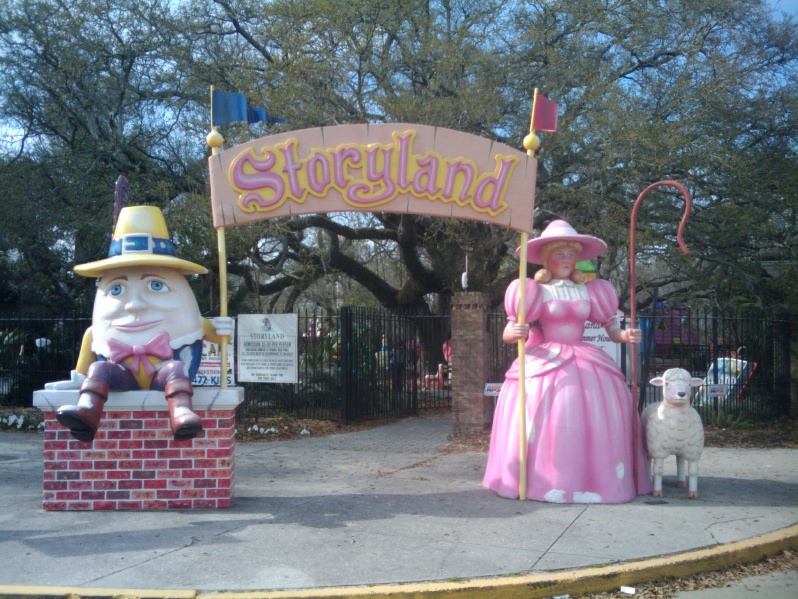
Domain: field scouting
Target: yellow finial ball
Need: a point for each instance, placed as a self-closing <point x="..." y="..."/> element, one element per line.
<point x="531" y="142"/>
<point x="214" y="139"/>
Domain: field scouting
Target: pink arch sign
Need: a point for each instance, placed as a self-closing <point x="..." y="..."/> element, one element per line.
<point x="398" y="168"/>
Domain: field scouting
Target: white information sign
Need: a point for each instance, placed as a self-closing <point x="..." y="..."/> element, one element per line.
<point x="596" y="336"/>
<point x="267" y="348"/>
<point x="210" y="367"/>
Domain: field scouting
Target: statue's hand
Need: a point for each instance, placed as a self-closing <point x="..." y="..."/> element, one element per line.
<point x="224" y="325"/>
<point x="521" y="331"/>
<point x="633" y="335"/>
<point x="74" y="382"/>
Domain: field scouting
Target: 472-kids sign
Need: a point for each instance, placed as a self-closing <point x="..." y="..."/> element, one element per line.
<point x="210" y="369"/>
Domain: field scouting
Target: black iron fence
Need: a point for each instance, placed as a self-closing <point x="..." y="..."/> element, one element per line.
<point x="357" y="364"/>
<point x="361" y="364"/>
<point x="744" y="360"/>
<point x="35" y="349"/>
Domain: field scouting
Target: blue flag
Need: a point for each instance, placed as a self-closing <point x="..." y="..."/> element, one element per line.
<point x="228" y="107"/>
<point x="257" y="115"/>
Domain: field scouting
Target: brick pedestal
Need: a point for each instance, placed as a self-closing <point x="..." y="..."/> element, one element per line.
<point x="134" y="463"/>
<point x="471" y="410"/>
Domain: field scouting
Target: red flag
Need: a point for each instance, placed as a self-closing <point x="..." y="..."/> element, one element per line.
<point x="545" y="114"/>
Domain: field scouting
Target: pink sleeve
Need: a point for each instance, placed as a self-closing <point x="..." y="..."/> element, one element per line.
<point x="534" y="301"/>
<point x="603" y="301"/>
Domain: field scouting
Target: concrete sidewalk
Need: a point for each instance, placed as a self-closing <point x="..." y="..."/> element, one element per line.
<point x="381" y="507"/>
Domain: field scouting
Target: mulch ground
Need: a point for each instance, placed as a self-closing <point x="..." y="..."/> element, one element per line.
<point x="782" y="432"/>
<point x="287" y="428"/>
<point x="671" y="587"/>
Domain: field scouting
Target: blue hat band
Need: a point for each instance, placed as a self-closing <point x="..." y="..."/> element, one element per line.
<point x="140" y="243"/>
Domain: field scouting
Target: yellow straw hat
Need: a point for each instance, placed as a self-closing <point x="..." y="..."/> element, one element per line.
<point x="140" y="238"/>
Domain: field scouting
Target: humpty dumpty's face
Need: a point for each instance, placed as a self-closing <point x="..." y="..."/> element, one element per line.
<point x="561" y="262"/>
<point x="133" y="304"/>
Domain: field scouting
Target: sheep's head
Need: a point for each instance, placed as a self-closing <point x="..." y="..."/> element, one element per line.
<point x="676" y="386"/>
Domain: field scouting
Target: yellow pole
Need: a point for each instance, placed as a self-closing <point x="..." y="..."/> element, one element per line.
<point x="220" y="239"/>
<point x="215" y="141"/>
<point x="532" y="121"/>
<point x="522" y="432"/>
<point x="531" y="143"/>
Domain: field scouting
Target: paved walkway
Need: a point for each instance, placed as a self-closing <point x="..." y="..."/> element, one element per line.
<point x="378" y="507"/>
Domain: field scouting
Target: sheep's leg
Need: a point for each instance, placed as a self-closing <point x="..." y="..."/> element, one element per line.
<point x="658" y="468"/>
<point x="680" y="477"/>
<point x="692" y="490"/>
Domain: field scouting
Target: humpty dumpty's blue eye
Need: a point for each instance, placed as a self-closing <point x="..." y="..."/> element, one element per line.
<point x="157" y="286"/>
<point x="116" y="290"/>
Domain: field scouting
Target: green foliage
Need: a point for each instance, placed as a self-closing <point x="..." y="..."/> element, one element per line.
<point x="732" y="420"/>
<point x="701" y="92"/>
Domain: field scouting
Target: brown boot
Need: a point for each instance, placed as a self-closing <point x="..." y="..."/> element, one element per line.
<point x="83" y="419"/>
<point x="184" y="422"/>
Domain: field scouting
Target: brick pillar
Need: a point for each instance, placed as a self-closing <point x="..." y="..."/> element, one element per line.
<point x="471" y="410"/>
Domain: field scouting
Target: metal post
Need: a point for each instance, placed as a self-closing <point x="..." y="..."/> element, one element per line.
<point x="345" y="355"/>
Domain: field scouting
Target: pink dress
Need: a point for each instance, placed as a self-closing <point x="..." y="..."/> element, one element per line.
<point x="579" y="410"/>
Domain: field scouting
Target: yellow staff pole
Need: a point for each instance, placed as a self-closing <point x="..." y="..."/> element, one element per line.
<point x="215" y="141"/>
<point x="522" y="433"/>
<point x="531" y="143"/>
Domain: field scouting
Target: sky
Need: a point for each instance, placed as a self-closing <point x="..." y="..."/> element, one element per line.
<point x="788" y="6"/>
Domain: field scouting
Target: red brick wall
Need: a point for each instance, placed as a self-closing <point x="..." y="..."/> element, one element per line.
<point x="471" y="410"/>
<point x="135" y="464"/>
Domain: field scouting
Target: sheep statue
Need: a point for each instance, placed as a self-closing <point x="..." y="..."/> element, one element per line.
<point x="673" y="427"/>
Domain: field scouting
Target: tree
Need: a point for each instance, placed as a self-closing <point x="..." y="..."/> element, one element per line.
<point x="700" y="92"/>
<point x="89" y="92"/>
<point x="703" y="92"/>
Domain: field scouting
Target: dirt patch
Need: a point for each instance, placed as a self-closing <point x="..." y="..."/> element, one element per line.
<point x="782" y="432"/>
<point x="671" y="587"/>
<point x="288" y="428"/>
<point x="779" y="433"/>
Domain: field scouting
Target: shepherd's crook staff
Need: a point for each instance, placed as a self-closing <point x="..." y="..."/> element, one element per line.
<point x="215" y="141"/>
<point x="633" y="323"/>
<point x="531" y="143"/>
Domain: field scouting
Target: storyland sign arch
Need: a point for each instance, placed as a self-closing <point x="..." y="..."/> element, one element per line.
<point x="396" y="167"/>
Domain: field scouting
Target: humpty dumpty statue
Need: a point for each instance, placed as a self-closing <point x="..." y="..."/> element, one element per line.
<point x="146" y="330"/>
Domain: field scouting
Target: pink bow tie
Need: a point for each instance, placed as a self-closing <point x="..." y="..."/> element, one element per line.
<point x="157" y="346"/>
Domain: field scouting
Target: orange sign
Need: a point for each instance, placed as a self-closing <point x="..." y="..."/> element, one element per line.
<point x="397" y="168"/>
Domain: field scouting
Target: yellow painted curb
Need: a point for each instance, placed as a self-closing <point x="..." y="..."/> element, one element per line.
<point x="46" y="592"/>
<point x="537" y="586"/>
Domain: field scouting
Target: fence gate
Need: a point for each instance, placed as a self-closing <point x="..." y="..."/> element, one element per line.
<point x="360" y="364"/>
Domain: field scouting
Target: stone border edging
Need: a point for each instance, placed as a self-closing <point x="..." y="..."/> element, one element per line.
<point x="537" y="586"/>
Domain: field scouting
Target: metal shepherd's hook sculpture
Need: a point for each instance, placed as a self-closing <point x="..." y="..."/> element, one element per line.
<point x="633" y="281"/>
